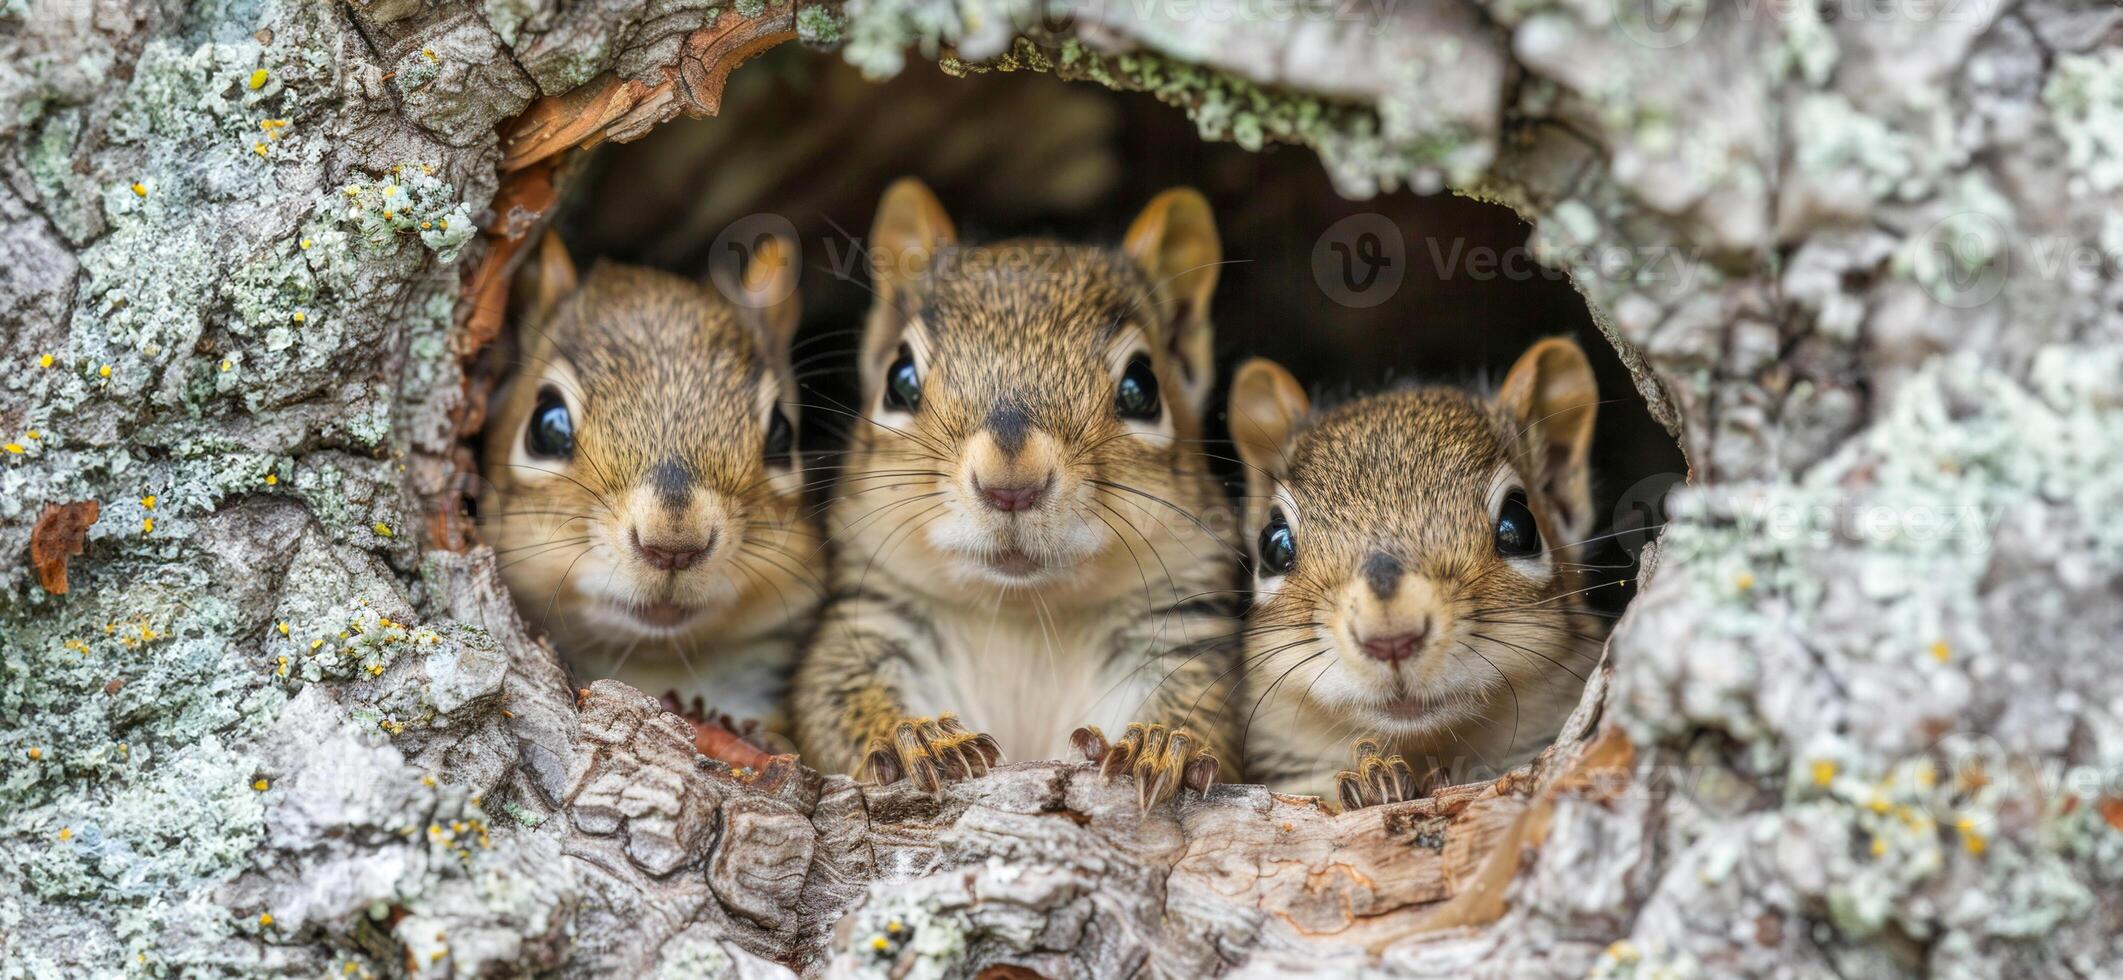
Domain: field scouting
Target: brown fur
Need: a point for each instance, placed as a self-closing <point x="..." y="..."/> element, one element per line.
<point x="669" y="385"/>
<point x="1126" y="616"/>
<point x="1393" y="502"/>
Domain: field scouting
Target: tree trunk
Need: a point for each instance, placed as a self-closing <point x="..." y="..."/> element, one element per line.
<point x="277" y="715"/>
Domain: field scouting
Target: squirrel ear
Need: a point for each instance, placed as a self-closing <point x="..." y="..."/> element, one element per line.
<point x="1174" y="240"/>
<point x="1550" y="391"/>
<point x="546" y="279"/>
<point x="766" y="292"/>
<point x="1266" y="405"/>
<point x="910" y="227"/>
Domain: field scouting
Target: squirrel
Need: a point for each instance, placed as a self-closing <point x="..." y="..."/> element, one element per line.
<point x="641" y="484"/>
<point x="1018" y="524"/>
<point x="1417" y="586"/>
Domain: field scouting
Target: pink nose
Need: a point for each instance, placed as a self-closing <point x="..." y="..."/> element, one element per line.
<point x="671" y="557"/>
<point x="1010" y="499"/>
<point x="1396" y="648"/>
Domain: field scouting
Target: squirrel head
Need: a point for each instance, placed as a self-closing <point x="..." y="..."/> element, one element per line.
<point x="641" y="473"/>
<point x="1041" y="401"/>
<point x="1415" y="551"/>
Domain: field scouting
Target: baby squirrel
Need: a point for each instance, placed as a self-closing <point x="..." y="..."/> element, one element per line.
<point x="1017" y="523"/>
<point x="642" y="488"/>
<point x="1416" y="577"/>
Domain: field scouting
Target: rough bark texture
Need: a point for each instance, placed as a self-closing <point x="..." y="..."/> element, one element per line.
<point x="1863" y="720"/>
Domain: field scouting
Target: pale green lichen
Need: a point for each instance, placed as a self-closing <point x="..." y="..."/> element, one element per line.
<point x="1876" y="562"/>
<point x="128" y="788"/>
<point x="912" y="940"/>
<point x="818" y="26"/>
<point x="2085" y="98"/>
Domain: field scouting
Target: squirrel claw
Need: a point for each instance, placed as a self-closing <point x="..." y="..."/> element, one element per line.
<point x="1377" y="779"/>
<point x="1161" y="761"/>
<point x="931" y="752"/>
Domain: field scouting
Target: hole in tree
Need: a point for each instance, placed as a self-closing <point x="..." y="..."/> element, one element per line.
<point x="1320" y="284"/>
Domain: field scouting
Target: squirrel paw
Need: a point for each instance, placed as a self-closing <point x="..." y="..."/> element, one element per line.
<point x="931" y="752"/>
<point x="1377" y="778"/>
<point x="1160" y="760"/>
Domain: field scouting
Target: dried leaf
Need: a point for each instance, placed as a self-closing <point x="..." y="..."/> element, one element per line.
<point x="60" y="534"/>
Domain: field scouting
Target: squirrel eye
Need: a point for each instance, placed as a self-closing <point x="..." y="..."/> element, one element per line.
<point x="1137" y="396"/>
<point x="781" y="439"/>
<point x="1516" y="534"/>
<point x="551" y="432"/>
<point x="1277" y="546"/>
<point x="903" y="382"/>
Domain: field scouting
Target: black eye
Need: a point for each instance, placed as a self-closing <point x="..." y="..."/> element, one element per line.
<point x="781" y="439"/>
<point x="551" y="432"/>
<point x="1278" y="547"/>
<point x="1137" y="396"/>
<point x="903" y="383"/>
<point x="1516" y="534"/>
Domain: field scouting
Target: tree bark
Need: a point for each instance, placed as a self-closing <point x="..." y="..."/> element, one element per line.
<point x="1863" y="720"/>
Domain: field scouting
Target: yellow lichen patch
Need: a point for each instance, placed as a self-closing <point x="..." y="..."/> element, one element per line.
<point x="258" y="79"/>
<point x="303" y="244"/>
<point x="147" y="525"/>
<point x="226" y="364"/>
<point x="14" y="448"/>
<point x="1971" y="838"/>
<point x="260" y="148"/>
<point x="382" y="529"/>
<point x="1824" y="772"/>
<point x="148" y="501"/>
<point x="880" y="943"/>
<point x="35" y="753"/>
<point x="314" y="644"/>
<point x="34" y="435"/>
<point x="104" y="371"/>
<point x="282" y="627"/>
<point x="271" y="480"/>
<point x="301" y="316"/>
<point x="428" y="53"/>
<point x="45" y="360"/>
<point x="139" y="189"/>
<point x="1941" y="652"/>
<point x="1879" y="847"/>
<point x="1743" y="581"/>
<point x="66" y="833"/>
<point x="261" y="785"/>
<point x="265" y="918"/>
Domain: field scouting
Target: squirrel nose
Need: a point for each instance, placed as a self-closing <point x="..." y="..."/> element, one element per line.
<point x="1398" y="647"/>
<point x="671" y="556"/>
<point x="1009" y="499"/>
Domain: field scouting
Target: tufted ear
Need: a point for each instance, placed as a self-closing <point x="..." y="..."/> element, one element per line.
<point x="1266" y="406"/>
<point x="546" y="279"/>
<point x="904" y="238"/>
<point x="1174" y="240"/>
<point x="766" y="293"/>
<point x="1550" y="391"/>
